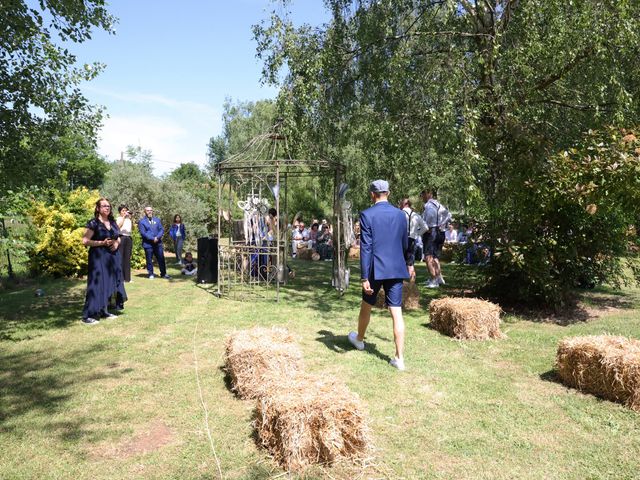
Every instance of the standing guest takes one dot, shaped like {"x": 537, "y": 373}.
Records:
{"x": 415, "y": 226}
{"x": 451, "y": 234}
{"x": 271, "y": 225}
{"x": 126, "y": 242}
{"x": 178, "y": 235}
{"x": 384, "y": 262}
{"x": 436, "y": 216}
{"x": 104, "y": 275}
{"x": 151, "y": 231}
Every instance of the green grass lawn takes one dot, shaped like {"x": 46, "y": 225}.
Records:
{"x": 120, "y": 399}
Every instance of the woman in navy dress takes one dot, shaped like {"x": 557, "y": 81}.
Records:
{"x": 104, "y": 278}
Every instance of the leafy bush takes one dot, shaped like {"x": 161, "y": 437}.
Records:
{"x": 59, "y": 227}
{"x": 16, "y": 232}
{"x": 571, "y": 223}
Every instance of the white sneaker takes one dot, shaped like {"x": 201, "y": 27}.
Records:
{"x": 432, "y": 284}
{"x": 440, "y": 280}
{"x": 353, "y": 339}
{"x": 397, "y": 363}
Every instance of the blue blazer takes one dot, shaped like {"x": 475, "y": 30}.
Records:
{"x": 149, "y": 231}
{"x": 174, "y": 229}
{"x": 384, "y": 244}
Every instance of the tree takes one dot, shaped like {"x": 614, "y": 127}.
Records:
{"x": 241, "y": 122}
{"x": 133, "y": 183}
{"x": 488, "y": 90}
{"x": 190, "y": 173}
{"x": 40, "y": 101}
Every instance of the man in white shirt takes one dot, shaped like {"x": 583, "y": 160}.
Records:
{"x": 436, "y": 217}
{"x": 415, "y": 227}
{"x": 300, "y": 237}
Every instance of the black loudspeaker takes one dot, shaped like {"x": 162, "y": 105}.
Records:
{"x": 207, "y": 260}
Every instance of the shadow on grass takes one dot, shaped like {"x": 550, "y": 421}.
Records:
{"x": 551, "y": 376}
{"x": 340, "y": 344}
{"x": 24, "y": 315}
{"x": 41, "y": 384}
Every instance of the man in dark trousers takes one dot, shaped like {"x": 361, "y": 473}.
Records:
{"x": 151, "y": 231}
{"x": 384, "y": 262}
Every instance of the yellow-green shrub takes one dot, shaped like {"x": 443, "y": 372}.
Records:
{"x": 59, "y": 225}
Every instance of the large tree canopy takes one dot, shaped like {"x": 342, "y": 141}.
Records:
{"x": 40, "y": 101}
{"x": 470, "y": 96}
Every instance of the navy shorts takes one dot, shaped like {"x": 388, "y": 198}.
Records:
{"x": 392, "y": 292}
{"x": 433, "y": 241}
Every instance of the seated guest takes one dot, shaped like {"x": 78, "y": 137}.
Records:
{"x": 464, "y": 233}
{"x": 356, "y": 233}
{"x": 300, "y": 236}
{"x": 313, "y": 235}
{"x": 451, "y": 234}
{"x": 188, "y": 265}
{"x": 325, "y": 243}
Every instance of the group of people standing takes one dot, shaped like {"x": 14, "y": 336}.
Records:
{"x": 110, "y": 245}
{"x": 427, "y": 233}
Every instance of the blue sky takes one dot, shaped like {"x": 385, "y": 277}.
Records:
{"x": 169, "y": 68}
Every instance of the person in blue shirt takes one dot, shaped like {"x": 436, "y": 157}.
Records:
{"x": 178, "y": 234}
{"x": 151, "y": 231}
{"x": 385, "y": 261}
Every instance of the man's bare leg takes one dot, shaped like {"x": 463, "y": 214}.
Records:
{"x": 430, "y": 266}
{"x": 435, "y": 269}
{"x": 398, "y": 330}
{"x": 363, "y": 319}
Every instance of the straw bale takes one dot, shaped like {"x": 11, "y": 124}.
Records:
{"x": 307, "y": 419}
{"x": 252, "y": 354}
{"x": 466, "y": 318}
{"x": 604, "y": 365}
{"x": 305, "y": 253}
{"x": 354, "y": 253}
{"x": 410, "y": 297}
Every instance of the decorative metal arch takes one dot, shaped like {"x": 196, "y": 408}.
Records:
{"x": 257, "y": 172}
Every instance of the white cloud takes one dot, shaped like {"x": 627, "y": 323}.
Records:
{"x": 184, "y": 106}
{"x": 176, "y": 131}
{"x": 171, "y": 143}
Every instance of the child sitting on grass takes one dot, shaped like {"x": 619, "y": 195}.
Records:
{"x": 188, "y": 265}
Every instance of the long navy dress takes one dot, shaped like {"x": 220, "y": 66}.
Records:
{"x": 104, "y": 278}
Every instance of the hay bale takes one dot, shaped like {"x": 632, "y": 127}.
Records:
{"x": 315, "y": 256}
{"x": 305, "y": 420}
{"x": 250, "y": 355}
{"x": 604, "y": 365}
{"x": 354, "y": 253}
{"x": 466, "y": 318}
{"x": 410, "y": 297}
{"x": 304, "y": 253}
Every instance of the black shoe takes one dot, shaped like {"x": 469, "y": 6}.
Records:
{"x": 109, "y": 315}
{"x": 90, "y": 321}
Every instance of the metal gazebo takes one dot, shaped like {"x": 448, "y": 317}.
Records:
{"x": 253, "y": 260}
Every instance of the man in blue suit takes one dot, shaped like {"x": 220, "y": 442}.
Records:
{"x": 151, "y": 231}
{"x": 385, "y": 261}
